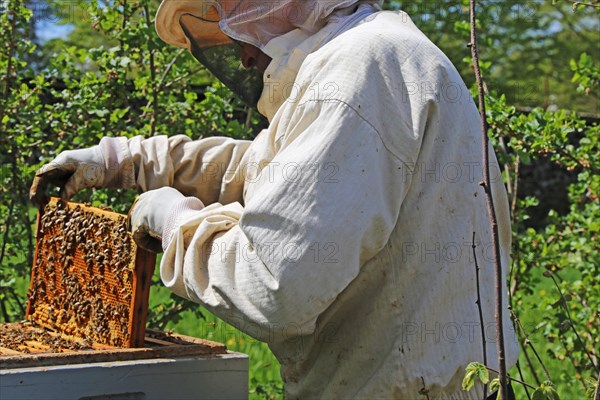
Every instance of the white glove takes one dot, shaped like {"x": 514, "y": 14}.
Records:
{"x": 154, "y": 214}
{"x": 109, "y": 164}
{"x": 72, "y": 170}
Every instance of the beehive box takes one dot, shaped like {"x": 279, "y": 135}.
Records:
{"x": 23, "y": 345}
{"x": 170, "y": 366}
{"x": 89, "y": 280}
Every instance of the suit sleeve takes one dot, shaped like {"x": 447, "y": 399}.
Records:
{"x": 210, "y": 169}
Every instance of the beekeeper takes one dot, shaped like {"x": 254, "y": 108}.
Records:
{"x": 342, "y": 235}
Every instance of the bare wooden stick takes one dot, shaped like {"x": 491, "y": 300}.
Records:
{"x": 523, "y": 380}
{"x": 485, "y": 386}
{"x": 528, "y": 343}
{"x": 491, "y": 209}
{"x": 530, "y": 365}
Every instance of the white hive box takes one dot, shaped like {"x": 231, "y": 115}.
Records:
{"x": 198, "y": 369}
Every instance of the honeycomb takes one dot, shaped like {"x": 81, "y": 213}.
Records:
{"x": 89, "y": 280}
{"x": 23, "y": 338}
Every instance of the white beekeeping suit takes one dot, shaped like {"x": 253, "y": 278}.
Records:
{"x": 342, "y": 235}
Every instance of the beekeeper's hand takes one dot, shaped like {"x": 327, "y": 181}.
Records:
{"x": 71, "y": 170}
{"x": 154, "y": 215}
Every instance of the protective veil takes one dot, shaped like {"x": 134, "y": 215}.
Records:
{"x": 206, "y": 29}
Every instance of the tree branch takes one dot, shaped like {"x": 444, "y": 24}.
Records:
{"x": 528, "y": 343}
{"x": 521, "y": 377}
{"x": 9, "y": 53}
{"x": 162, "y": 80}
{"x": 502, "y": 375}
{"x": 482, "y": 324}
{"x": 581, "y": 3}
{"x": 513, "y": 379}
{"x": 6, "y": 232}
{"x": 168, "y": 69}
{"x": 153, "y": 80}
{"x": 564, "y": 305}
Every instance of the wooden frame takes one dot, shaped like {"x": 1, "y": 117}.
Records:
{"x": 88, "y": 278}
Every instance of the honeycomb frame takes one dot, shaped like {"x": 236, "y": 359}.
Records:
{"x": 89, "y": 280}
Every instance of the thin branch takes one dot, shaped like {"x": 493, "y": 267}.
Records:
{"x": 564, "y": 305}
{"x": 154, "y": 117}
{"x": 509, "y": 185}
{"x": 515, "y": 190}
{"x": 28, "y": 231}
{"x": 168, "y": 69}
{"x": 531, "y": 368}
{"x": 123, "y": 25}
{"x": 478, "y": 302}
{"x": 582, "y": 164}
{"x": 170, "y": 83}
{"x": 4, "y": 311}
{"x": 17, "y": 300}
{"x": 581, "y": 3}
{"x": 513, "y": 379}
{"x": 186, "y": 75}
{"x": 162, "y": 80}
{"x": 514, "y": 284}
{"x": 521, "y": 376}
{"x": 514, "y": 281}
{"x": 569, "y": 355}
{"x": 587, "y": 331}
{"x": 502, "y": 375}
{"x": 528, "y": 343}
{"x": 249, "y": 113}
{"x": 162, "y": 320}
{"x": 6, "y": 232}
{"x": 9, "y": 53}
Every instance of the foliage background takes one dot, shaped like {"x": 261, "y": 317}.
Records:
{"x": 110, "y": 75}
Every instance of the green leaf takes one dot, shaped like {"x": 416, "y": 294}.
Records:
{"x": 475, "y": 370}
{"x": 494, "y": 384}
{"x": 546, "y": 391}
{"x": 100, "y": 113}
{"x": 590, "y": 387}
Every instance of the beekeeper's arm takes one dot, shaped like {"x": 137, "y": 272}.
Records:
{"x": 209, "y": 169}
{"x": 325, "y": 205}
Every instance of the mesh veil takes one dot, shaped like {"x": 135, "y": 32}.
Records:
{"x": 224, "y": 62}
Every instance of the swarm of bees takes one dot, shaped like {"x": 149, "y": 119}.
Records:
{"x": 83, "y": 274}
